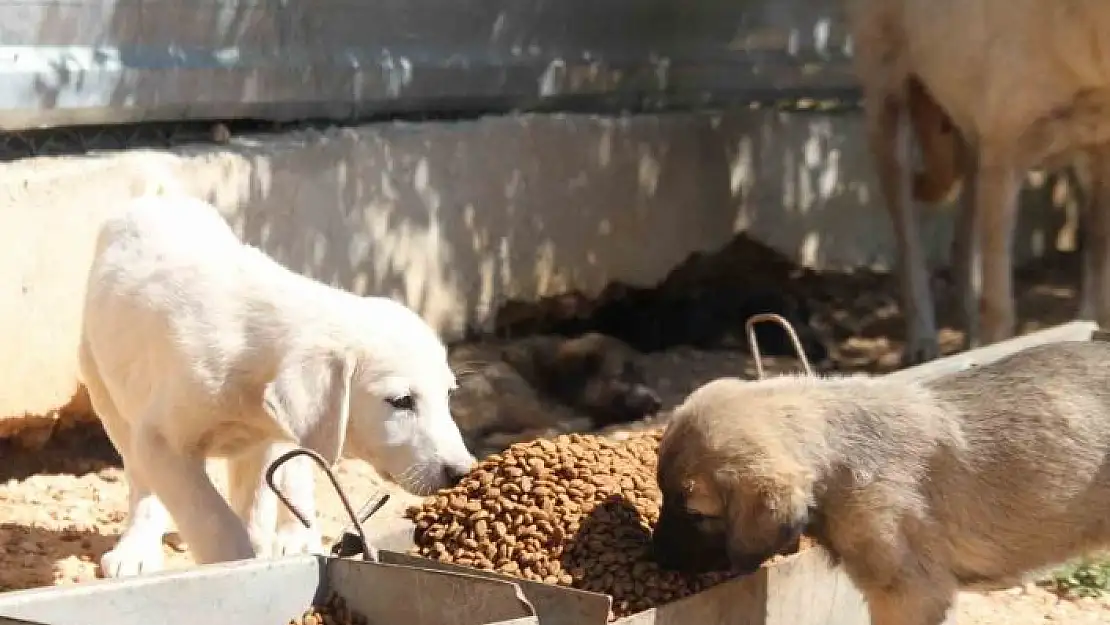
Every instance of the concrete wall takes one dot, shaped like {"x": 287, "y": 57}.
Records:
{"x": 67, "y": 62}
{"x": 453, "y": 218}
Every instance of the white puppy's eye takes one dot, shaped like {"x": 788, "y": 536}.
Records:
{"x": 402, "y": 402}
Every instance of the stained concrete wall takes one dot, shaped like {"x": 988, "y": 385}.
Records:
{"x": 452, "y": 218}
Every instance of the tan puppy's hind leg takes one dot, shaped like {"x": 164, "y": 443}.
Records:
{"x": 911, "y": 606}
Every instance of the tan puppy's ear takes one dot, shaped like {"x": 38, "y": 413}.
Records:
{"x": 765, "y": 515}
{"x": 312, "y": 398}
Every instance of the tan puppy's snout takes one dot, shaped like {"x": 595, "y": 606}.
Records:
{"x": 688, "y": 543}
{"x": 790, "y": 535}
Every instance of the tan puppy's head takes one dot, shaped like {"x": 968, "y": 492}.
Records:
{"x": 733, "y": 496}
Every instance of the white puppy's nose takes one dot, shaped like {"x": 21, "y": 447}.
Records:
{"x": 452, "y": 474}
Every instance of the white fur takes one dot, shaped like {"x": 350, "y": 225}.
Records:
{"x": 196, "y": 346}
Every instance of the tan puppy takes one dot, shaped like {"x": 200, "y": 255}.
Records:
{"x": 918, "y": 489}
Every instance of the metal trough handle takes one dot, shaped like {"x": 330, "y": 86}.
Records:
{"x": 357, "y": 520}
{"x": 753, "y": 344}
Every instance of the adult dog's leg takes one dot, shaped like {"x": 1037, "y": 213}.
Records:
{"x": 997, "y": 197}
{"x": 1096, "y": 244}
{"x": 1082, "y": 178}
{"x": 139, "y": 548}
{"x": 206, "y": 521}
{"x": 889, "y": 141}
{"x": 273, "y": 529}
{"x": 966, "y": 259}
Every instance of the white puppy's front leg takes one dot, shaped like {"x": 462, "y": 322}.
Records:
{"x": 297, "y": 482}
{"x": 273, "y": 529}
{"x": 139, "y": 548}
{"x": 206, "y": 522}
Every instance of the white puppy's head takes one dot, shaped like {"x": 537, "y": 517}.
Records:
{"x": 400, "y": 404}
{"x": 401, "y": 419}
{"x": 380, "y": 392}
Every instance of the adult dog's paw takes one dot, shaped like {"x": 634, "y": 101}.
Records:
{"x": 130, "y": 558}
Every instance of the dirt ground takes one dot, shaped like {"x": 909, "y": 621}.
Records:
{"x": 62, "y": 507}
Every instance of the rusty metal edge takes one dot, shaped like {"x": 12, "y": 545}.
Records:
{"x": 486, "y": 591}
{"x": 1071, "y": 331}
{"x": 585, "y": 607}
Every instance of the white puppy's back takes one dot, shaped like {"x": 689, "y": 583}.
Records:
{"x": 178, "y": 309}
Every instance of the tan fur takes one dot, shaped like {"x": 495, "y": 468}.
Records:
{"x": 918, "y": 489}
{"x": 1026, "y": 83}
{"x": 941, "y": 155}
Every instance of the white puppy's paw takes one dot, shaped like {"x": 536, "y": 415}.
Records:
{"x": 130, "y": 559}
{"x": 295, "y": 539}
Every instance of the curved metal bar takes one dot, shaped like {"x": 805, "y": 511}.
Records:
{"x": 753, "y": 344}
{"x": 357, "y": 520}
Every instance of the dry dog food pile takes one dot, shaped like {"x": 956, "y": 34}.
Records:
{"x": 575, "y": 511}
{"x": 333, "y": 612}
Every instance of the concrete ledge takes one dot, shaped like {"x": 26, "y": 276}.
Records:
{"x": 453, "y": 218}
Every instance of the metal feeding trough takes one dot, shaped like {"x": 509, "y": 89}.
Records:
{"x": 275, "y": 591}
{"x": 271, "y": 592}
{"x": 389, "y": 587}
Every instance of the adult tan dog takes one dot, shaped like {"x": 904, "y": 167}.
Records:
{"x": 969, "y": 481}
{"x": 197, "y": 346}
{"x": 1021, "y": 91}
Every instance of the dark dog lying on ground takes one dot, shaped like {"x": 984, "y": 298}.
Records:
{"x": 919, "y": 489}
{"x": 706, "y": 318}
{"x": 703, "y": 303}
{"x": 546, "y": 381}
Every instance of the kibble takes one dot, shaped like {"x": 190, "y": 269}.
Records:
{"x": 334, "y": 611}
{"x": 575, "y": 511}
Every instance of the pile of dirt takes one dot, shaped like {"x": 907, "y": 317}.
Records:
{"x": 702, "y": 303}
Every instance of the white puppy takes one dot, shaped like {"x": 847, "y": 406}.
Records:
{"x": 197, "y": 346}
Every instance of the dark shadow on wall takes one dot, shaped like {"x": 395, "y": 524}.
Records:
{"x": 472, "y": 213}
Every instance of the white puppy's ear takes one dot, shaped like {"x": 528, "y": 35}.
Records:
{"x": 312, "y": 397}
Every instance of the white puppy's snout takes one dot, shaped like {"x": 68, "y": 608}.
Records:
{"x": 453, "y": 473}
{"x": 455, "y": 464}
